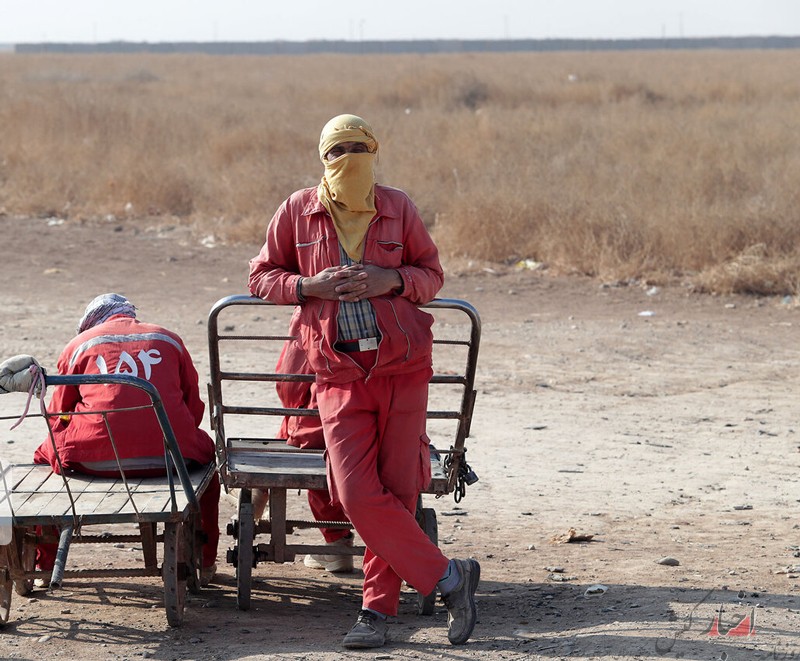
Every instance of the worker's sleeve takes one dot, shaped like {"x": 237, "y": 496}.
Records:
{"x": 421, "y": 270}
{"x": 275, "y": 272}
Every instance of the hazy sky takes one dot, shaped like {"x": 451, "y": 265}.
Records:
{"x": 24, "y": 21}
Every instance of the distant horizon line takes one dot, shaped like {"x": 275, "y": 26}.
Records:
{"x": 401, "y": 40}
{"x": 398, "y": 46}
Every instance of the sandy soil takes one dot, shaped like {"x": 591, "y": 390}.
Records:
{"x": 659, "y": 422}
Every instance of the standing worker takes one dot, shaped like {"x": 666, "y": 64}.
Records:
{"x": 356, "y": 259}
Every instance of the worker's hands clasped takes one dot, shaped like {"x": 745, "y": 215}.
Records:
{"x": 351, "y": 283}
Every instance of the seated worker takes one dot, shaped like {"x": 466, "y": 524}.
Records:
{"x": 111, "y": 340}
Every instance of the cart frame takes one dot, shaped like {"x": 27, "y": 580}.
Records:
{"x": 271, "y": 464}
{"x": 37, "y": 496}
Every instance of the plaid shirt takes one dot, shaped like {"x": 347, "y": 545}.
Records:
{"x": 356, "y": 320}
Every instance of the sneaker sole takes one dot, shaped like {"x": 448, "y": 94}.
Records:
{"x": 363, "y": 644}
{"x": 344, "y": 566}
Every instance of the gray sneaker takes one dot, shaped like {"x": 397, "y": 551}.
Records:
{"x": 460, "y": 602}
{"x": 368, "y": 631}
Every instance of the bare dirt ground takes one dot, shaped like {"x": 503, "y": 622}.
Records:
{"x": 659, "y": 422}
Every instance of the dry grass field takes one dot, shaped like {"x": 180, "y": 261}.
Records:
{"x": 673, "y": 166}
{"x": 661, "y": 423}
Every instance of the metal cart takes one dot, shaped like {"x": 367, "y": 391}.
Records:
{"x": 165, "y": 509}
{"x": 245, "y": 336}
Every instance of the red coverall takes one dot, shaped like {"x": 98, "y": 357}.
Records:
{"x": 372, "y": 404}
{"x": 306, "y": 432}
{"x": 123, "y": 345}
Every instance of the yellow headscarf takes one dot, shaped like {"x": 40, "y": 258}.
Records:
{"x": 347, "y": 189}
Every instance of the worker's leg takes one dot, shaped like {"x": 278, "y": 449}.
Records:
{"x": 209, "y": 521}
{"x": 306, "y": 432}
{"x": 46, "y": 551}
{"x": 319, "y": 500}
{"x": 375, "y": 437}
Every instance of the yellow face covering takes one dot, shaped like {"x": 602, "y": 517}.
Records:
{"x": 347, "y": 189}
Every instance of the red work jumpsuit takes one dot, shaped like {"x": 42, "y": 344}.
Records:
{"x": 306, "y": 432}
{"x": 372, "y": 404}
{"x": 123, "y": 345}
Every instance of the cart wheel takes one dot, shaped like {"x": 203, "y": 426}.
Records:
{"x": 26, "y": 550}
{"x": 174, "y": 573}
{"x": 194, "y": 550}
{"x": 426, "y": 517}
{"x": 244, "y": 557}
{"x": 5, "y": 585}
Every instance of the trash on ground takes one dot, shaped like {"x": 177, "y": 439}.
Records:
{"x": 571, "y": 536}
{"x": 561, "y": 578}
{"x": 530, "y": 265}
{"x": 595, "y": 590}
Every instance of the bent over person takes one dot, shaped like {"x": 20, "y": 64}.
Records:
{"x": 356, "y": 259}
{"x": 306, "y": 432}
{"x": 111, "y": 340}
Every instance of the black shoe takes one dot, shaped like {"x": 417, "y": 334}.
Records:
{"x": 368, "y": 631}
{"x": 460, "y": 602}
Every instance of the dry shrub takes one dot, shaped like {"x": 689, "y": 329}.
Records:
{"x": 753, "y": 271}
{"x": 665, "y": 165}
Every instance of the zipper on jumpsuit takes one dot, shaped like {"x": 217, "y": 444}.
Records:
{"x": 322, "y": 339}
{"x": 405, "y": 334}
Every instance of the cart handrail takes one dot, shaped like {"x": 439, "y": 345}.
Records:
{"x": 218, "y": 409}
{"x": 217, "y": 375}
{"x": 244, "y": 299}
{"x": 171, "y": 443}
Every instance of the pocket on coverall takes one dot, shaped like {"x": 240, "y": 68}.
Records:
{"x": 424, "y": 463}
